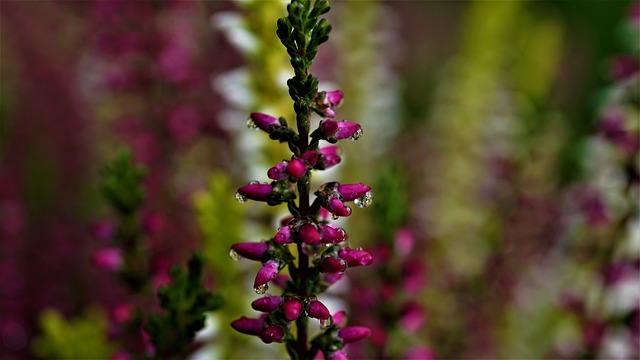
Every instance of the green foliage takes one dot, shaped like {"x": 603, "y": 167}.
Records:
{"x": 185, "y": 301}
{"x": 220, "y": 218}
{"x": 392, "y": 202}
{"x": 83, "y": 337}
{"x": 121, "y": 183}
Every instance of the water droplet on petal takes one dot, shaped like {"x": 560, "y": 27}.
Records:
{"x": 251, "y": 124}
{"x": 357, "y": 135}
{"x": 335, "y": 217}
{"x": 261, "y": 289}
{"x": 254, "y": 182}
{"x": 344, "y": 234}
{"x": 234, "y": 255}
{"x": 326, "y": 323}
{"x": 240, "y": 198}
{"x": 365, "y": 200}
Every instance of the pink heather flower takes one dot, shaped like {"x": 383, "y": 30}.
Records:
{"x": 332, "y": 278}
{"x": 327, "y": 100}
{"x": 340, "y": 318}
{"x": 272, "y": 333}
{"x": 278, "y": 172}
{"x": 250, "y": 250}
{"x": 309, "y": 234}
{"x": 338, "y": 208}
{"x": 257, "y": 192}
{"x": 595, "y": 210}
{"x": 267, "y": 303}
{"x": 249, "y": 326}
{"x": 283, "y": 236}
{"x": 333, "y": 265}
{"x": 121, "y": 355}
{"x": 404, "y": 241}
{"x": 332, "y": 235}
{"x": 350, "y": 192}
{"x": 355, "y": 257}
{"x": 329, "y": 157}
{"x": 311, "y": 157}
{"x": 265, "y": 122}
{"x": 339, "y": 130}
{"x": 419, "y": 353}
{"x": 103, "y": 230}
{"x": 121, "y": 313}
{"x": 183, "y": 123}
{"x": 107, "y": 259}
{"x": 174, "y": 64}
{"x": 414, "y": 276}
{"x": 411, "y": 317}
{"x": 317, "y": 310}
{"x": 334, "y": 97}
{"x": 624, "y": 67}
{"x": 267, "y": 273}
{"x": 297, "y": 168}
{"x": 337, "y": 355}
{"x": 351, "y": 334}
{"x": 292, "y": 309}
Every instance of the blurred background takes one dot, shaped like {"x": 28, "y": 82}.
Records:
{"x": 500, "y": 139}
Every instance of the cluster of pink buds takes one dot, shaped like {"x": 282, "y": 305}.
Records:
{"x": 324, "y": 254}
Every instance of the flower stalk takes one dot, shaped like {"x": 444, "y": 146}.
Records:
{"x": 321, "y": 251}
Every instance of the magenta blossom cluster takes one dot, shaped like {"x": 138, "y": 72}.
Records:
{"x": 322, "y": 254}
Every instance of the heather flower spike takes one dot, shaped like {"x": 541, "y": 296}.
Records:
{"x": 321, "y": 257}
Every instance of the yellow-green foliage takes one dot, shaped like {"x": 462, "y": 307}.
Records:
{"x": 83, "y": 337}
{"x": 468, "y": 100}
{"x": 221, "y": 220}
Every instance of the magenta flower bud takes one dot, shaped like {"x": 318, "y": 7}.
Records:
{"x": 257, "y": 192}
{"x": 249, "y": 326}
{"x": 355, "y": 257}
{"x": 309, "y": 234}
{"x": 332, "y": 278}
{"x": 328, "y": 112}
{"x": 329, "y": 156}
{"x": 264, "y": 122}
{"x": 310, "y": 156}
{"x": 283, "y": 236}
{"x": 107, "y": 259}
{"x": 338, "y": 208}
{"x": 272, "y": 333}
{"x": 317, "y": 310}
{"x": 292, "y": 309}
{"x": 340, "y": 318}
{"x": 267, "y": 273}
{"x": 297, "y": 168}
{"x": 333, "y": 265}
{"x": 337, "y": 355}
{"x": 278, "y": 172}
{"x": 350, "y": 192}
{"x": 267, "y": 303}
{"x": 250, "y": 250}
{"x": 351, "y": 334}
{"x": 334, "y": 97}
{"x": 340, "y": 130}
{"x": 332, "y": 235}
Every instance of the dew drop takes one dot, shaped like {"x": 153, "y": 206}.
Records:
{"x": 365, "y": 200}
{"x": 335, "y": 217}
{"x": 251, "y": 124}
{"x": 254, "y": 182}
{"x": 261, "y": 289}
{"x": 234, "y": 255}
{"x": 326, "y": 323}
{"x": 240, "y": 198}
{"x": 357, "y": 135}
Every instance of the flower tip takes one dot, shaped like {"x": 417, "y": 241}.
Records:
{"x": 318, "y": 311}
{"x": 351, "y": 334}
{"x": 256, "y": 192}
{"x": 248, "y": 326}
